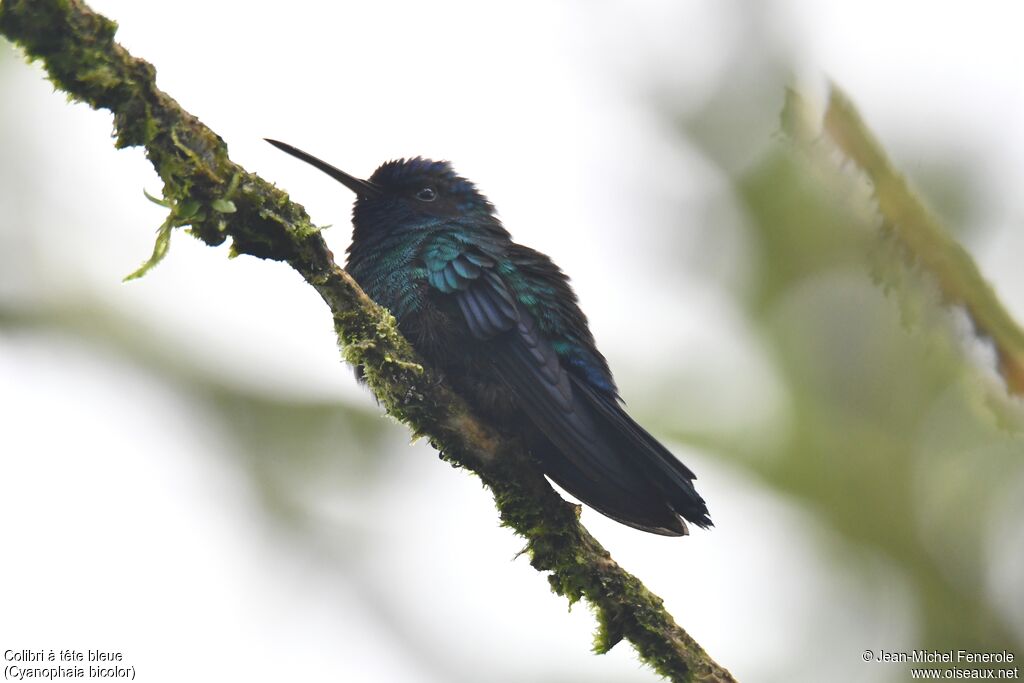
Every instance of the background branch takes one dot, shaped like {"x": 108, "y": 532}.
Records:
{"x": 217, "y": 199}
{"x": 924, "y": 244}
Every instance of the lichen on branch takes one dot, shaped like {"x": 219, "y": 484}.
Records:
{"x": 217, "y": 199}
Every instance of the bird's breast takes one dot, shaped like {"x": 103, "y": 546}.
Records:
{"x": 391, "y": 274}
{"x": 439, "y": 333}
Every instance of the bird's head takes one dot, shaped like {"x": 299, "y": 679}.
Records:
{"x": 406, "y": 193}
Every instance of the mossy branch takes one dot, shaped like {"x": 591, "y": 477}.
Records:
{"x": 925, "y": 245}
{"x": 218, "y": 200}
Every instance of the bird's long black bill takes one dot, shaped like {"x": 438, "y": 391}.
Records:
{"x": 363, "y": 188}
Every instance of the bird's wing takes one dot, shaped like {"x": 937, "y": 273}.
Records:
{"x": 469, "y": 274}
{"x": 593, "y": 385}
{"x": 595, "y": 468}
{"x": 524, "y": 358}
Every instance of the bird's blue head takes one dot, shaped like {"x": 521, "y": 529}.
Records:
{"x": 408, "y": 194}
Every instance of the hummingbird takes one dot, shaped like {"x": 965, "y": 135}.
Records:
{"x": 502, "y": 324}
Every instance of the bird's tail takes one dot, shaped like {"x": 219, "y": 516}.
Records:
{"x": 626, "y": 474}
{"x": 664, "y": 470}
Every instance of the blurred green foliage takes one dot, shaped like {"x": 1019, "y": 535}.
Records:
{"x": 899, "y": 437}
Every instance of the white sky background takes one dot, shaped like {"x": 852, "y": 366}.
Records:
{"x": 125, "y": 530}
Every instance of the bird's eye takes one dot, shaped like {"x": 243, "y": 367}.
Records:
{"x": 427, "y": 194}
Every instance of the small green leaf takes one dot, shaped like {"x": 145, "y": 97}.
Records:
{"x": 186, "y": 209}
{"x": 163, "y": 242}
{"x": 223, "y": 205}
{"x": 161, "y": 202}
